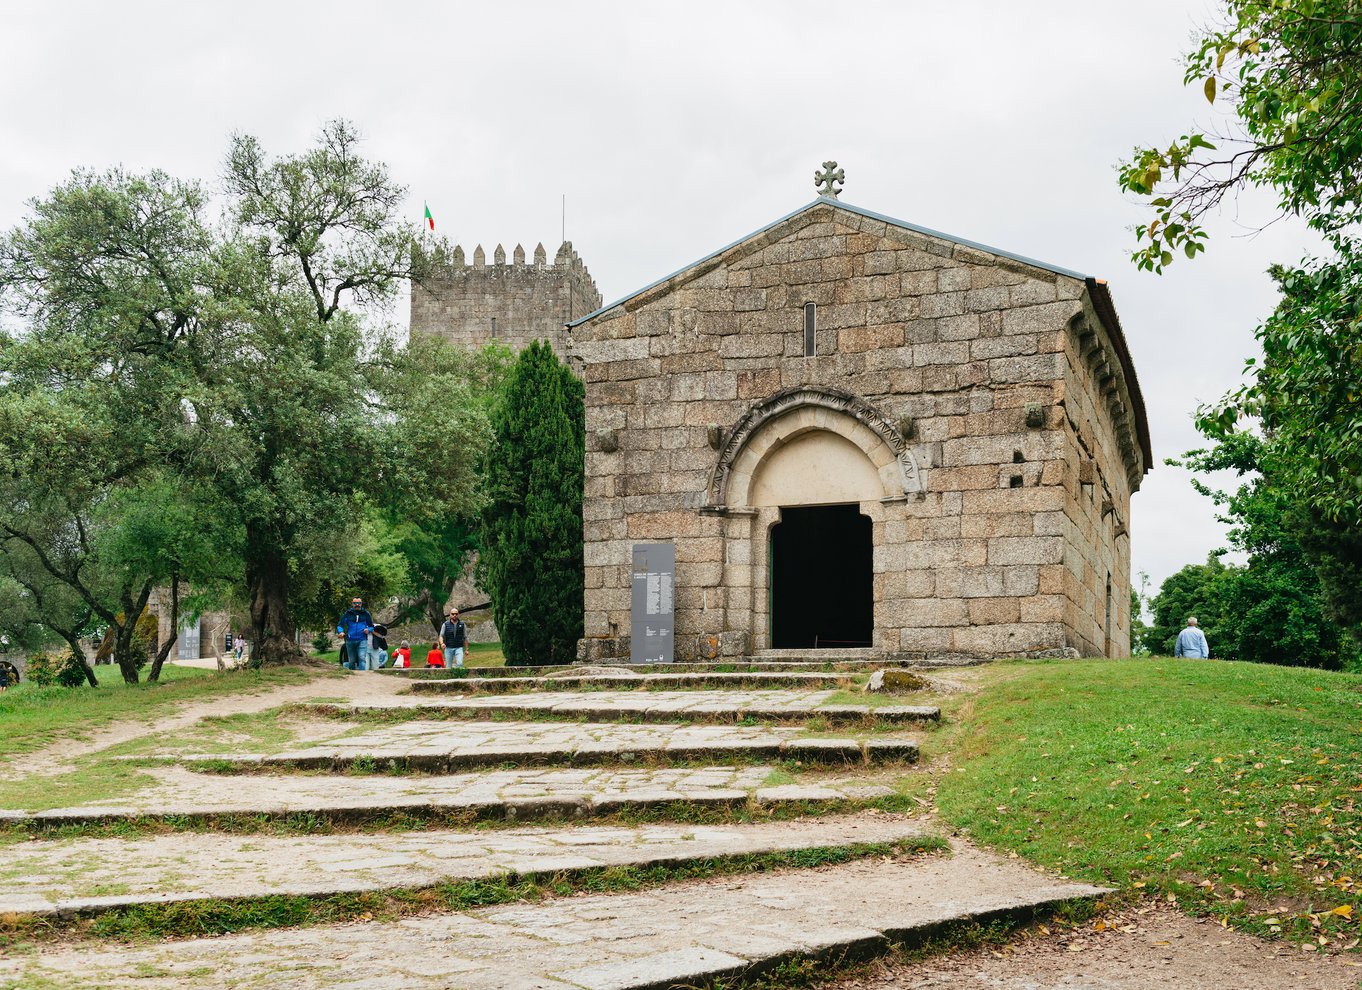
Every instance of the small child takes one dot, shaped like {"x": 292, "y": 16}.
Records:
{"x": 402, "y": 655}
{"x": 436, "y": 656}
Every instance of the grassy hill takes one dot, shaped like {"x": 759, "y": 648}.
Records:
{"x": 1229, "y": 788}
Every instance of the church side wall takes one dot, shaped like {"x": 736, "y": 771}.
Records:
{"x": 939, "y": 338}
{"x": 1097, "y": 504}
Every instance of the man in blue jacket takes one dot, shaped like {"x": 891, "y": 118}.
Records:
{"x": 355, "y": 625}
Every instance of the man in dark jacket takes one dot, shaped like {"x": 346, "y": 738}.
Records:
{"x": 355, "y": 625}
{"x": 378, "y": 647}
{"x": 454, "y": 636}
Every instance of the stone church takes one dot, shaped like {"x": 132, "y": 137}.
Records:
{"x": 859, "y": 434}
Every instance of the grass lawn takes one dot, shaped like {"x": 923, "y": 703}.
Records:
{"x": 32, "y": 717}
{"x": 1230, "y": 788}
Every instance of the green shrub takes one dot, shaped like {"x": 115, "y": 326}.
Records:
{"x": 42, "y": 669}
{"x": 47, "y": 670}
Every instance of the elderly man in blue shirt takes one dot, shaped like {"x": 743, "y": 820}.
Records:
{"x": 1192, "y": 642}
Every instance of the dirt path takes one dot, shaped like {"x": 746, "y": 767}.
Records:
{"x": 1153, "y": 946}
{"x": 58, "y": 757}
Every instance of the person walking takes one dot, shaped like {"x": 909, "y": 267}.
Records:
{"x": 378, "y": 647}
{"x": 1192, "y": 642}
{"x": 355, "y": 625}
{"x": 454, "y": 635}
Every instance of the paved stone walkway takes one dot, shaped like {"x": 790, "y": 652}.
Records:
{"x": 669, "y": 706}
{"x": 676, "y": 935}
{"x": 753, "y": 680}
{"x": 87, "y": 876}
{"x": 446, "y": 746}
{"x": 182, "y": 793}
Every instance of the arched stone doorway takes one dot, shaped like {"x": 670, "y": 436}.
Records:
{"x": 805, "y": 480}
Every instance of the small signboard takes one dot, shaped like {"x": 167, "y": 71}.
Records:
{"x": 652, "y": 626}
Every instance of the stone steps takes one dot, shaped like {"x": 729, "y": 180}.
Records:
{"x": 774, "y": 706}
{"x": 681, "y": 935}
{"x": 58, "y": 879}
{"x": 186, "y": 799}
{"x": 628, "y": 680}
{"x": 400, "y": 759}
{"x": 735, "y": 666}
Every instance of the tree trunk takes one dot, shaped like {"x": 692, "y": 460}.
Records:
{"x": 215, "y": 632}
{"x": 122, "y": 650}
{"x": 272, "y": 629}
{"x": 127, "y": 632}
{"x": 155, "y": 673}
{"x": 435, "y": 611}
{"x": 78, "y": 651}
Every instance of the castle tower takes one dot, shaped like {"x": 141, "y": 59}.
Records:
{"x": 514, "y": 303}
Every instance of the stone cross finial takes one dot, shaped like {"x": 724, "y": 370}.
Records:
{"x": 827, "y": 181}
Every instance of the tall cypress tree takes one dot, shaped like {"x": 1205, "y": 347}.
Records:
{"x": 531, "y": 556}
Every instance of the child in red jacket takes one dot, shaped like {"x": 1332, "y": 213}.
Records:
{"x": 436, "y": 656}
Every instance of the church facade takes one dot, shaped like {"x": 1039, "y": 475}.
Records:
{"x": 860, "y": 434}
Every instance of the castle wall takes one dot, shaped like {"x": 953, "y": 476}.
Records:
{"x": 528, "y": 299}
{"x": 961, "y": 357}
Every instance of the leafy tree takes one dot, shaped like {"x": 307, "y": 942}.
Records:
{"x": 439, "y": 546}
{"x": 531, "y": 556}
{"x": 373, "y": 568}
{"x": 1289, "y": 73}
{"x": 184, "y": 396}
{"x": 105, "y": 279}
{"x": 1140, "y": 598}
{"x": 1274, "y": 609}
{"x": 1199, "y": 590}
{"x": 35, "y": 608}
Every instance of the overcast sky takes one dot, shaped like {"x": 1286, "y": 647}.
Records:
{"x": 675, "y": 128}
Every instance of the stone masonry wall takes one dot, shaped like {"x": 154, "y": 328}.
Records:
{"x": 529, "y": 300}
{"x": 968, "y": 352}
{"x": 1098, "y": 485}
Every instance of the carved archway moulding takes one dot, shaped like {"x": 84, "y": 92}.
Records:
{"x": 908, "y": 479}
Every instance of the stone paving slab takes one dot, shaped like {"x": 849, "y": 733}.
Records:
{"x": 449, "y": 746}
{"x": 628, "y": 680}
{"x": 66, "y": 877}
{"x": 181, "y": 794}
{"x": 679, "y": 935}
{"x": 646, "y": 706}
{"x": 845, "y": 667}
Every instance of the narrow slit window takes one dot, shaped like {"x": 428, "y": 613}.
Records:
{"x": 494, "y": 326}
{"x": 810, "y": 329}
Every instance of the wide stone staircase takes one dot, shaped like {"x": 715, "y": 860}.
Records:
{"x": 592, "y": 828}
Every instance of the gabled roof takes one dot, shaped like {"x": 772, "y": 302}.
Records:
{"x": 1097, "y": 290}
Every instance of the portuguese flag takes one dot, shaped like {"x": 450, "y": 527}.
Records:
{"x": 430, "y": 220}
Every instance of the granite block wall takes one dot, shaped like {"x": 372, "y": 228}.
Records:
{"x": 966, "y": 379}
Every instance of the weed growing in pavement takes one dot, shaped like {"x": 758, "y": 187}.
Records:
{"x": 490, "y": 817}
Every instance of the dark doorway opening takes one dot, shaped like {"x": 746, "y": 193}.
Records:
{"x": 822, "y": 593}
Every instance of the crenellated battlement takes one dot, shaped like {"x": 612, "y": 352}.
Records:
{"x": 472, "y": 301}
{"x": 565, "y": 260}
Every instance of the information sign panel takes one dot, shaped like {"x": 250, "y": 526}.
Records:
{"x": 652, "y": 626}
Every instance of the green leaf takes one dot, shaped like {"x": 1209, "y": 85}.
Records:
{"x": 1210, "y": 89}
